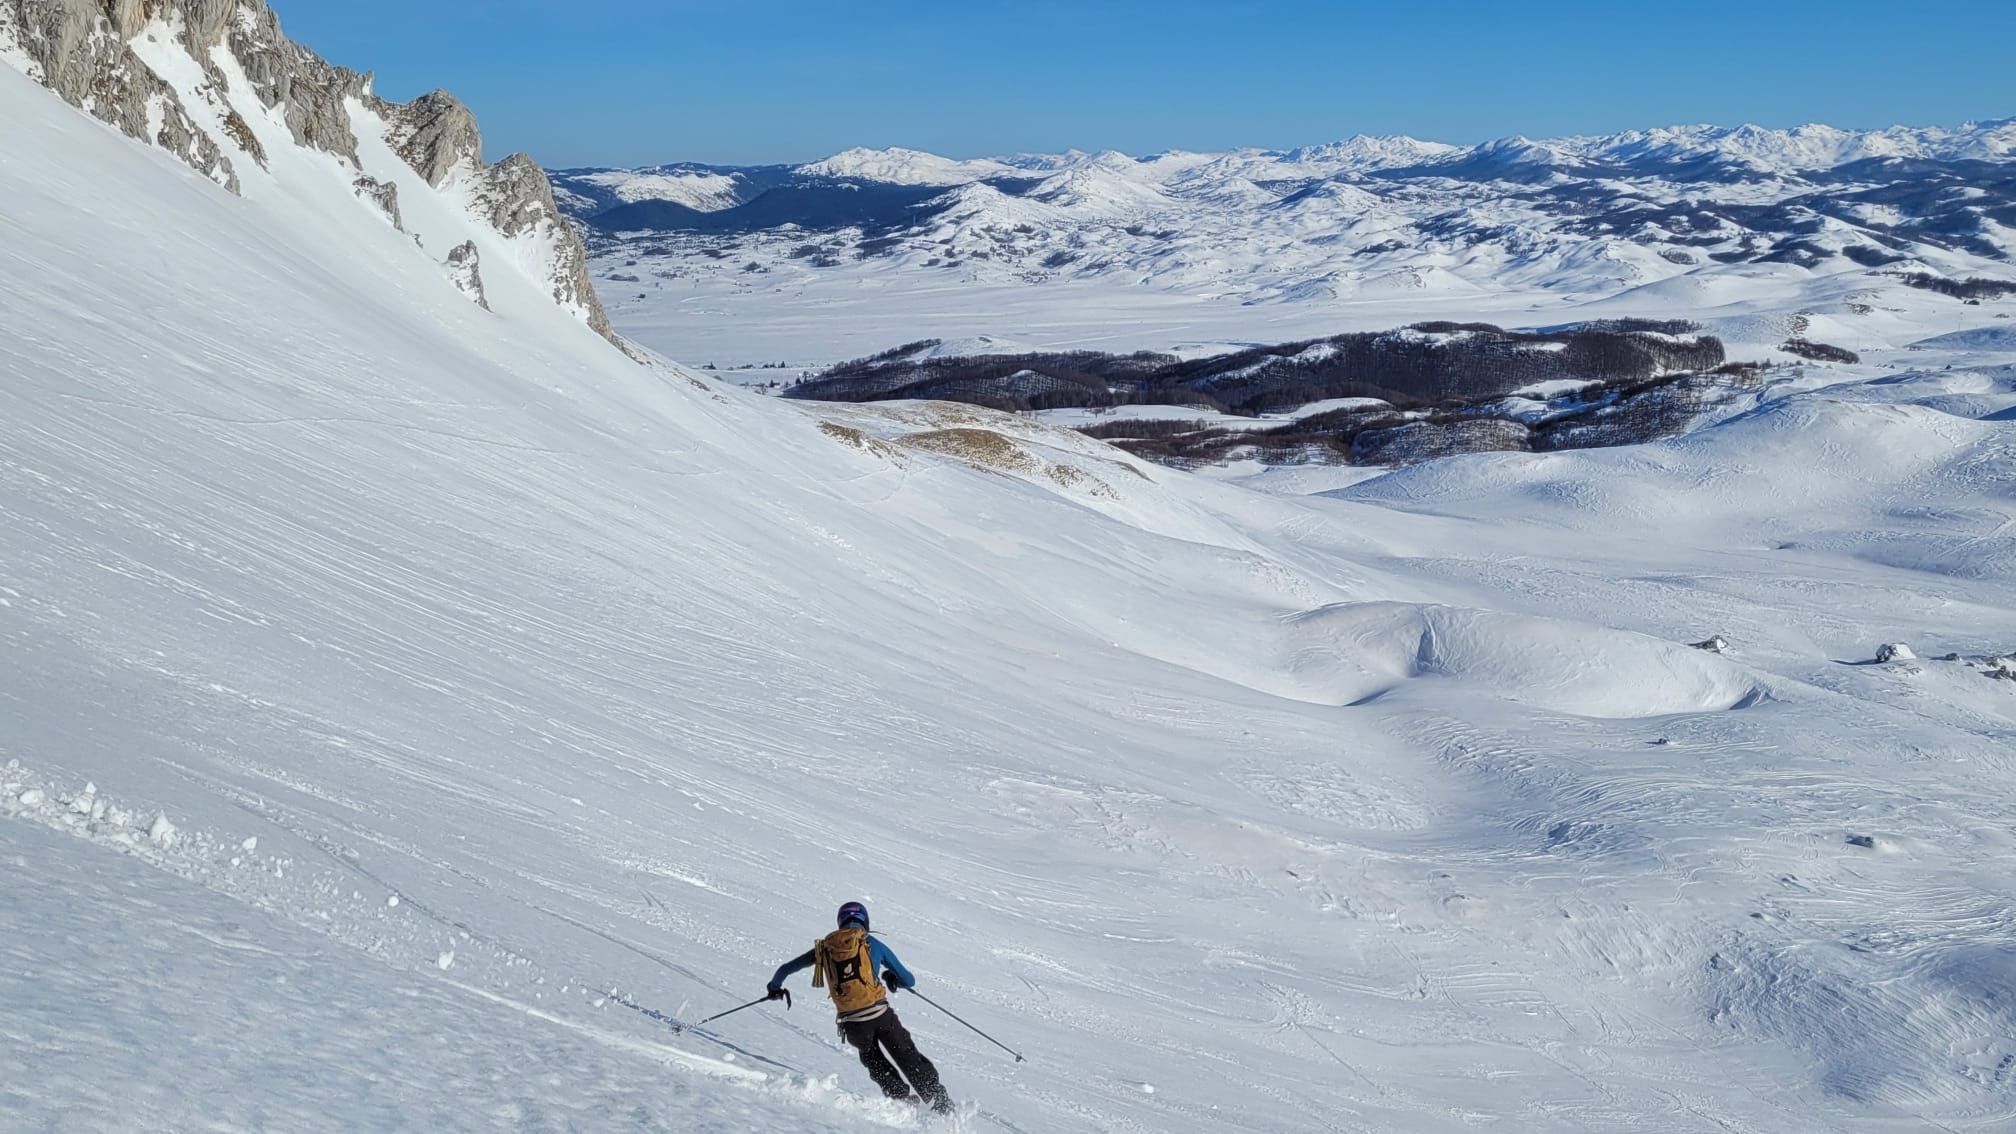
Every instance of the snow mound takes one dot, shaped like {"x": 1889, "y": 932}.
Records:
{"x": 1361, "y": 652}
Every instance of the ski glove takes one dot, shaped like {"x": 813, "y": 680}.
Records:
{"x": 777, "y": 992}
{"x": 891, "y": 981}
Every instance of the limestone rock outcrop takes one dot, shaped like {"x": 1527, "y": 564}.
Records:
{"x": 84, "y": 51}
{"x": 81, "y": 50}
{"x": 465, "y": 268}
{"x": 437, "y": 135}
{"x": 434, "y": 133}
{"x": 383, "y": 194}
{"x": 519, "y": 199}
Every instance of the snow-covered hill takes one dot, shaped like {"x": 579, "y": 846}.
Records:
{"x": 387, "y": 679}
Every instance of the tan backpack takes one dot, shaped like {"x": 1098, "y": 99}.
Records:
{"x": 842, "y": 967}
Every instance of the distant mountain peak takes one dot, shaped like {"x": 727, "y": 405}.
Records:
{"x": 898, "y": 166}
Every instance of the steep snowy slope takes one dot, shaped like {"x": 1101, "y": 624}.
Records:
{"x": 217, "y": 84}
{"x": 387, "y": 679}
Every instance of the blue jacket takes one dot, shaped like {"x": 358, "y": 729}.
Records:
{"x": 879, "y": 955}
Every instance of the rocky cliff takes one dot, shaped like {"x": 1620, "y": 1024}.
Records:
{"x": 191, "y": 76}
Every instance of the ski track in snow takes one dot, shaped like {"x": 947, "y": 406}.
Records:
{"x": 532, "y": 674}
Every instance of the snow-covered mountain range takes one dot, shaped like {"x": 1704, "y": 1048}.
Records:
{"x": 1322, "y": 230}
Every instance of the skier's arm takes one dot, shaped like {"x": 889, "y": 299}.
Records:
{"x": 794, "y": 965}
{"x": 884, "y": 960}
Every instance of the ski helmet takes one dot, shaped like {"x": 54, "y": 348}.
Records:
{"x": 852, "y": 912}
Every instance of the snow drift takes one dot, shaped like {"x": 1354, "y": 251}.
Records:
{"x": 1359, "y": 652}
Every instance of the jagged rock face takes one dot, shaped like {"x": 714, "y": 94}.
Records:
{"x": 434, "y": 133}
{"x": 520, "y": 197}
{"x": 383, "y": 194}
{"x": 464, "y": 267}
{"x": 240, "y": 132}
{"x": 81, "y": 49}
{"x": 284, "y": 74}
{"x": 78, "y": 49}
{"x": 520, "y": 200}
{"x": 128, "y": 16}
{"x": 437, "y": 135}
{"x": 204, "y": 20}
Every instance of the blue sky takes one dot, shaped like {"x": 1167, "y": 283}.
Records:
{"x": 632, "y": 82}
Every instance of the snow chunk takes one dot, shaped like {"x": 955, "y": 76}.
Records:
{"x": 162, "y": 831}
{"x": 1894, "y": 652}
{"x": 446, "y": 960}
{"x": 33, "y": 797}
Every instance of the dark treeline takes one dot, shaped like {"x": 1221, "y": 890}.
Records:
{"x": 1819, "y": 352}
{"x": 1975, "y": 288}
{"x": 1624, "y": 413}
{"x": 1421, "y": 366}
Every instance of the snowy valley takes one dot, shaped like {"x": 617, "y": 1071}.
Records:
{"x": 406, "y": 666}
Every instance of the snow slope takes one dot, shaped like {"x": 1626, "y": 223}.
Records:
{"x": 388, "y": 679}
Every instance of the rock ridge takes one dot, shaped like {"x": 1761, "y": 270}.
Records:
{"x": 83, "y": 51}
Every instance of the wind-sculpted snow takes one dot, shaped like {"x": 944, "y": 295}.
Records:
{"x": 389, "y": 681}
{"x": 1356, "y": 653}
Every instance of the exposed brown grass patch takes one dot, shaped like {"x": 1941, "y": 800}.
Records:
{"x": 992, "y": 451}
{"x": 848, "y": 435}
{"x": 982, "y": 447}
{"x": 1071, "y": 476}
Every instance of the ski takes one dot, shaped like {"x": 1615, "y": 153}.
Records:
{"x": 618, "y": 998}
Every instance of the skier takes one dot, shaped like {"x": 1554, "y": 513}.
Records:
{"x": 846, "y": 963}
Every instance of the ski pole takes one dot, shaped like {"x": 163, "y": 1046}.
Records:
{"x": 731, "y": 1011}
{"x": 976, "y": 1031}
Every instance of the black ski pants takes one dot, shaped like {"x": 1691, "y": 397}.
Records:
{"x": 891, "y": 1056}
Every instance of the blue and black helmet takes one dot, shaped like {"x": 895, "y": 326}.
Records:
{"x": 853, "y": 912}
